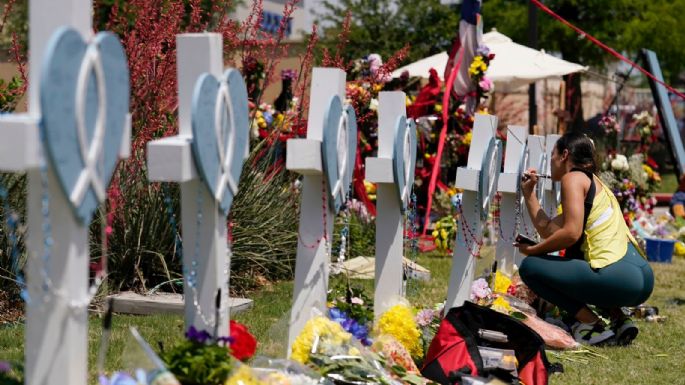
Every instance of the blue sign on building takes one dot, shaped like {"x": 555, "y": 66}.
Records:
{"x": 271, "y": 21}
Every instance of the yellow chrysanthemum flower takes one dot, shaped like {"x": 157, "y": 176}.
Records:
{"x": 502, "y": 282}
{"x": 243, "y": 376}
{"x": 679, "y": 248}
{"x": 501, "y": 305}
{"x": 468, "y": 137}
{"x": 399, "y": 322}
{"x": 320, "y": 327}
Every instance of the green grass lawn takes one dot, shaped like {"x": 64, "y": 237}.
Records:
{"x": 656, "y": 357}
{"x": 669, "y": 183}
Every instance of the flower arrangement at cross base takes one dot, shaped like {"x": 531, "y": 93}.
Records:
{"x": 398, "y": 322}
{"x": 204, "y": 360}
{"x": 632, "y": 180}
{"x": 509, "y": 295}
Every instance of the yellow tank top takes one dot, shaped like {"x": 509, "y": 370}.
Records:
{"x": 606, "y": 232}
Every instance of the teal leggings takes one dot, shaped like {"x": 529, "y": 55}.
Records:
{"x": 572, "y": 284}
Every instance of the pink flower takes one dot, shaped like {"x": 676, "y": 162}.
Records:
{"x": 485, "y": 84}
{"x": 357, "y": 301}
{"x": 424, "y": 317}
{"x": 480, "y": 289}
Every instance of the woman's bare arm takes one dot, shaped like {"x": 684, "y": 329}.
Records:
{"x": 564, "y": 230}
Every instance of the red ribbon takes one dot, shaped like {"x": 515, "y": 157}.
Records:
{"x": 605, "y": 47}
{"x": 441, "y": 142}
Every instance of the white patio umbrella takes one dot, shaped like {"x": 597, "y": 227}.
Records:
{"x": 514, "y": 65}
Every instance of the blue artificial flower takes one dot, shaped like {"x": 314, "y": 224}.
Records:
{"x": 118, "y": 378}
{"x": 268, "y": 117}
{"x": 350, "y": 325}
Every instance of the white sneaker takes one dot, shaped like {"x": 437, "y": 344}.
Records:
{"x": 625, "y": 331}
{"x": 591, "y": 334}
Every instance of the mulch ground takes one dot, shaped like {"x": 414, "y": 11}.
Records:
{"x": 11, "y": 308}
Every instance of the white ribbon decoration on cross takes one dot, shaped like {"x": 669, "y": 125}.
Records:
{"x": 225, "y": 177}
{"x": 90, "y": 152}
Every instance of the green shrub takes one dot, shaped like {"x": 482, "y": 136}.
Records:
{"x": 265, "y": 221}
{"x": 14, "y": 202}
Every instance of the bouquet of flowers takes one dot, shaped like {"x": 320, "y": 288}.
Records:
{"x": 325, "y": 346}
{"x": 399, "y": 323}
{"x": 284, "y": 372}
{"x": 645, "y": 124}
{"x": 243, "y": 375}
{"x": 477, "y": 70}
{"x": 428, "y": 321}
{"x": 444, "y": 233}
{"x": 631, "y": 180}
{"x": 200, "y": 359}
{"x": 350, "y": 307}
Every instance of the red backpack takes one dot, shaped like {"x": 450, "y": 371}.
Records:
{"x": 454, "y": 352}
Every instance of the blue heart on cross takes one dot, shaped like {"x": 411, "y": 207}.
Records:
{"x": 221, "y": 127}
{"x": 84, "y": 98}
{"x": 489, "y": 175}
{"x": 339, "y": 150}
{"x": 404, "y": 158}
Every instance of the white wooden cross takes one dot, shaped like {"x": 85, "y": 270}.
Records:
{"x": 206, "y": 257}
{"x": 479, "y": 186}
{"x": 389, "y": 204}
{"x": 537, "y": 160}
{"x": 511, "y": 205}
{"x": 305, "y": 156}
{"x": 56, "y": 348}
{"x": 551, "y": 190}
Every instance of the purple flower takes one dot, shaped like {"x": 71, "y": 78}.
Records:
{"x": 199, "y": 336}
{"x": 288, "y": 74}
{"x": 483, "y": 50}
{"x": 425, "y": 317}
{"x": 5, "y": 367}
{"x": 227, "y": 341}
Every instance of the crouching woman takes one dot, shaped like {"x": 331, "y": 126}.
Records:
{"x": 602, "y": 265}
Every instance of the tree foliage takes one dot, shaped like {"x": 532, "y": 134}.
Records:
{"x": 386, "y": 26}
{"x": 625, "y": 25}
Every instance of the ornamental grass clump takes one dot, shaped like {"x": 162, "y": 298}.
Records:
{"x": 12, "y": 235}
{"x": 263, "y": 222}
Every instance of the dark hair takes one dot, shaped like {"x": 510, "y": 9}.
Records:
{"x": 581, "y": 150}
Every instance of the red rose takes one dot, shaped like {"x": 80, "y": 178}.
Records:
{"x": 243, "y": 343}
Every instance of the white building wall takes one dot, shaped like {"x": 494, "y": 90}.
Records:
{"x": 302, "y": 19}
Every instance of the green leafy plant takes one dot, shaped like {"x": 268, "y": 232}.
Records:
{"x": 352, "y": 300}
{"x": 11, "y": 374}
{"x": 195, "y": 363}
{"x": 10, "y": 93}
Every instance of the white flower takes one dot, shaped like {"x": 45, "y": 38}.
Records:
{"x": 373, "y": 106}
{"x": 620, "y": 163}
